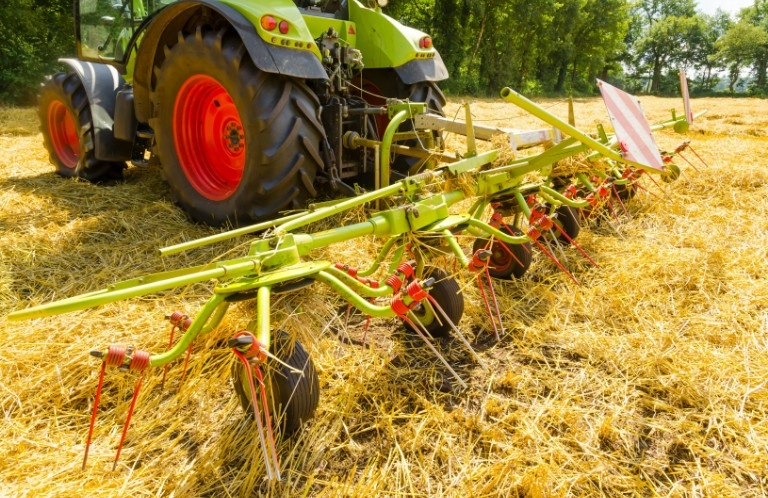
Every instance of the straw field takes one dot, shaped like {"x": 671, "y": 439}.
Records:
{"x": 650, "y": 378}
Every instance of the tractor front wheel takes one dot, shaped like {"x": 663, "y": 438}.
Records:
{"x": 67, "y": 128}
{"x": 237, "y": 145}
{"x": 292, "y": 387}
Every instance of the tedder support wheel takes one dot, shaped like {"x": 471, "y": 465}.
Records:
{"x": 237, "y": 145}
{"x": 67, "y": 127}
{"x": 447, "y": 293}
{"x": 379, "y": 84}
{"x": 568, "y": 220}
{"x": 293, "y": 397}
{"x": 507, "y": 260}
{"x": 626, "y": 191}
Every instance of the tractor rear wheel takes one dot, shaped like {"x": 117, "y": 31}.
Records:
{"x": 380, "y": 84}
{"x": 67, "y": 128}
{"x": 292, "y": 396}
{"x": 237, "y": 145}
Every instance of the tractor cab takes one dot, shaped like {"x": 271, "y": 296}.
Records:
{"x": 105, "y": 27}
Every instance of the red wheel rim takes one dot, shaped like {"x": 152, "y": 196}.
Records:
{"x": 502, "y": 258}
{"x": 61, "y": 127}
{"x": 209, "y": 137}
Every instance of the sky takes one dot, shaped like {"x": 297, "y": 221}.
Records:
{"x": 731, "y": 6}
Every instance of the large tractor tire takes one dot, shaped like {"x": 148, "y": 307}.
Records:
{"x": 292, "y": 397}
{"x": 237, "y": 145}
{"x": 67, "y": 127}
{"x": 377, "y": 85}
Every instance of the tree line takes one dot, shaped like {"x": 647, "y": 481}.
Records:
{"x": 540, "y": 47}
{"x": 561, "y": 46}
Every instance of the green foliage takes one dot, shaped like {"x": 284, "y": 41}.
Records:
{"x": 33, "y": 35}
{"x": 739, "y": 46}
{"x": 536, "y": 46}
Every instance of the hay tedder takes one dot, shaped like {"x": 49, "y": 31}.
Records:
{"x": 254, "y": 108}
{"x": 510, "y": 200}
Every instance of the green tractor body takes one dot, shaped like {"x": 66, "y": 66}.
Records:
{"x": 245, "y": 104}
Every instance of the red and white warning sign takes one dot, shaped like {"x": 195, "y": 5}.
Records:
{"x": 631, "y": 127}
{"x": 686, "y": 97}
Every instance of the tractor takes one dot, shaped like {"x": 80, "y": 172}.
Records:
{"x": 248, "y": 106}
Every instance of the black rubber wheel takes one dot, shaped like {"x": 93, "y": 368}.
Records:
{"x": 237, "y": 145}
{"x": 507, "y": 260}
{"x": 568, "y": 219}
{"x": 67, "y": 128}
{"x": 447, "y": 293}
{"x": 380, "y": 84}
{"x": 625, "y": 191}
{"x": 293, "y": 397}
{"x": 671, "y": 172}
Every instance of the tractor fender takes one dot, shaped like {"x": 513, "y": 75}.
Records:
{"x": 390, "y": 44}
{"x": 418, "y": 70}
{"x": 101, "y": 82}
{"x": 162, "y": 31}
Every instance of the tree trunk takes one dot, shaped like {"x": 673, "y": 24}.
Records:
{"x": 479, "y": 40}
{"x": 734, "y": 78}
{"x": 656, "y": 78}
{"x": 760, "y": 69}
{"x": 560, "y": 83}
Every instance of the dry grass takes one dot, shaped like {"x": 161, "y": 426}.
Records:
{"x": 649, "y": 379}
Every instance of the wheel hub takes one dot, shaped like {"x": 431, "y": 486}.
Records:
{"x": 234, "y": 139}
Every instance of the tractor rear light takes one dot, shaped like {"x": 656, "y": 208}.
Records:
{"x": 284, "y": 27}
{"x": 268, "y": 22}
{"x": 425, "y": 42}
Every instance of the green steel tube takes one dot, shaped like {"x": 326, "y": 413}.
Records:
{"x": 216, "y": 318}
{"x": 585, "y": 181}
{"x": 386, "y": 144}
{"x": 325, "y": 238}
{"x": 481, "y": 229}
{"x": 512, "y": 96}
{"x": 263, "y": 329}
{"x": 522, "y": 204}
{"x": 478, "y": 207}
{"x": 108, "y": 296}
{"x": 397, "y": 258}
{"x": 354, "y": 299}
{"x": 672, "y": 122}
{"x": 456, "y": 248}
{"x": 230, "y": 234}
{"x": 158, "y": 360}
{"x": 560, "y": 198}
{"x": 516, "y": 168}
{"x": 379, "y": 257}
{"x": 471, "y": 163}
{"x": 325, "y": 212}
{"x": 357, "y": 286}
